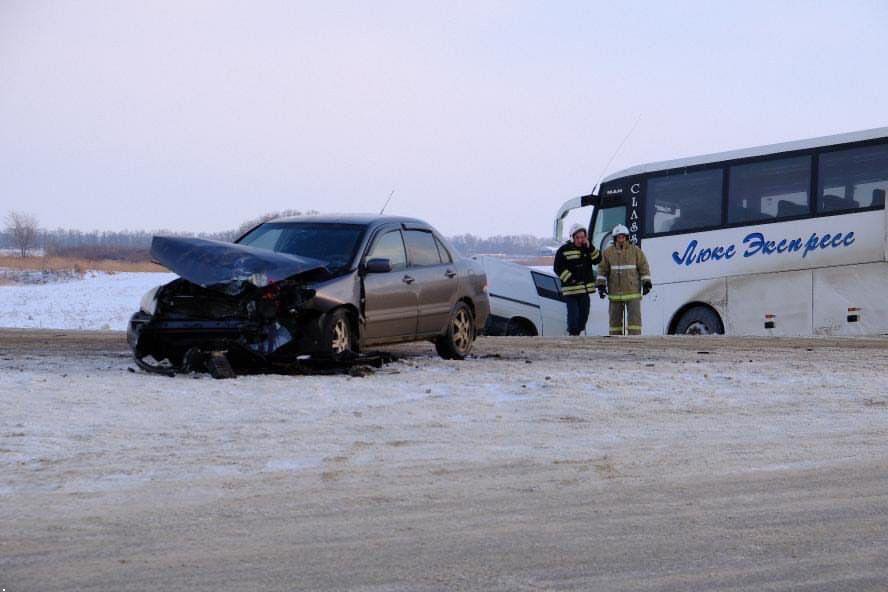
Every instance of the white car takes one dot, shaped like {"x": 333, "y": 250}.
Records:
{"x": 523, "y": 300}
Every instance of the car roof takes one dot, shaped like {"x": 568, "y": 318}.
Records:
{"x": 363, "y": 219}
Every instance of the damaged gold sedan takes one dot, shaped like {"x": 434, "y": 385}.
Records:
{"x": 321, "y": 287}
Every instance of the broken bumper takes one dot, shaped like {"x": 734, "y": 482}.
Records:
{"x": 246, "y": 342}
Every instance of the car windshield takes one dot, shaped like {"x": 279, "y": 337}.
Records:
{"x": 335, "y": 244}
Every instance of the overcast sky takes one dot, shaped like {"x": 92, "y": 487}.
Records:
{"x": 483, "y": 116}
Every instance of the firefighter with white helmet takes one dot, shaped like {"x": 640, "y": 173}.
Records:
{"x": 574, "y": 266}
{"x": 624, "y": 276}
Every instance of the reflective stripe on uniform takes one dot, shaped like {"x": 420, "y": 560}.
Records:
{"x": 622, "y": 267}
{"x": 564, "y": 275}
{"x": 645, "y": 278}
{"x": 571, "y": 290}
{"x": 590, "y": 286}
{"x": 634, "y": 327}
{"x": 624, "y": 297}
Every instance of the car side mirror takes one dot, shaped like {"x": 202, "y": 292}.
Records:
{"x": 378, "y": 265}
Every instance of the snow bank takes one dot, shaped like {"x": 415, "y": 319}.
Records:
{"x": 99, "y": 301}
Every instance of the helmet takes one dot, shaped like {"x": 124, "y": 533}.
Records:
{"x": 620, "y": 229}
{"x": 576, "y": 228}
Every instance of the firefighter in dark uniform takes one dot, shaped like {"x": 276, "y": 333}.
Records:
{"x": 573, "y": 265}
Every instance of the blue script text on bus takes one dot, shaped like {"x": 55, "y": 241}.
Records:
{"x": 756, "y": 244}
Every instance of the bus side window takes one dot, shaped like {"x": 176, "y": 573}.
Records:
{"x": 685, "y": 201}
{"x": 769, "y": 189}
{"x": 852, "y": 179}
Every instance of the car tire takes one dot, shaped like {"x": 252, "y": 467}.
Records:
{"x": 339, "y": 337}
{"x": 699, "y": 320}
{"x": 519, "y": 328}
{"x": 459, "y": 336}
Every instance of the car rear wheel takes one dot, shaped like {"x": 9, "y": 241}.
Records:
{"x": 520, "y": 328}
{"x": 339, "y": 334}
{"x": 456, "y": 342}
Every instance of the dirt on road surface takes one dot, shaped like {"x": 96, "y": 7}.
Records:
{"x": 539, "y": 464}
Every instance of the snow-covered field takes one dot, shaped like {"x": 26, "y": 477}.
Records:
{"x": 99, "y": 301}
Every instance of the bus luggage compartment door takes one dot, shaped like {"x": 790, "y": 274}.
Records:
{"x": 779, "y": 300}
{"x": 840, "y": 290}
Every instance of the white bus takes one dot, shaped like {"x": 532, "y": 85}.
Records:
{"x": 787, "y": 239}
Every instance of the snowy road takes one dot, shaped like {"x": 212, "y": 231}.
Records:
{"x": 587, "y": 464}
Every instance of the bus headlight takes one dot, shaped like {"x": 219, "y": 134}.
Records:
{"x": 149, "y": 301}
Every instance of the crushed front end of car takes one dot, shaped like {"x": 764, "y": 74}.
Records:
{"x": 232, "y": 306}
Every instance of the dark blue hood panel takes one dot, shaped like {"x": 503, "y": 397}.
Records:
{"x": 228, "y": 266}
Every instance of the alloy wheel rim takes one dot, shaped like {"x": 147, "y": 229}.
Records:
{"x": 340, "y": 341}
{"x": 462, "y": 331}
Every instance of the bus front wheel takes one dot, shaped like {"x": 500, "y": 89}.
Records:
{"x": 699, "y": 320}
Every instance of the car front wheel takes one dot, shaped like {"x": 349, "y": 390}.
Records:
{"x": 339, "y": 335}
{"x": 459, "y": 336}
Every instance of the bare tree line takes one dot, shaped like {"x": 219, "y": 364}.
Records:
{"x": 508, "y": 244}
{"x": 22, "y": 233}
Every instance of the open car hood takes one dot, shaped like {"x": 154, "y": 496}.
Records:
{"x": 228, "y": 266}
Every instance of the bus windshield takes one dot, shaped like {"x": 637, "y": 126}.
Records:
{"x": 604, "y": 222}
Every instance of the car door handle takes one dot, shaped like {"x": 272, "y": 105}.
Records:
{"x": 450, "y": 273}
{"x": 407, "y": 279}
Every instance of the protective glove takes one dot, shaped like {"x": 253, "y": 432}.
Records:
{"x": 602, "y": 292}
{"x": 646, "y": 287}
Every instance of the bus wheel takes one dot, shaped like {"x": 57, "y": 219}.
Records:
{"x": 699, "y": 320}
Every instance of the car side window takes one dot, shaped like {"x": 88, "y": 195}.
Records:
{"x": 443, "y": 252}
{"x": 422, "y": 248}
{"x": 390, "y": 246}
{"x": 547, "y": 286}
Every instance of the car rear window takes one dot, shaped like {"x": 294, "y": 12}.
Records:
{"x": 443, "y": 252}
